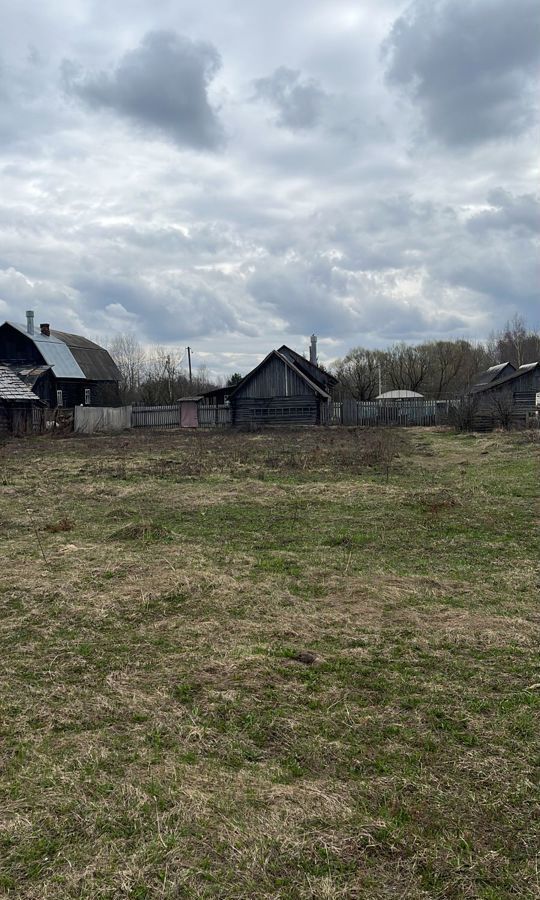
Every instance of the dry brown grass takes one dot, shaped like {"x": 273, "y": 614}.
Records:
{"x": 162, "y": 734}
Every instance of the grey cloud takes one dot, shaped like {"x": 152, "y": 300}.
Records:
{"x": 180, "y": 307}
{"x": 318, "y": 296}
{"x": 507, "y": 211}
{"x": 468, "y": 65}
{"x": 162, "y": 85}
{"x": 299, "y": 104}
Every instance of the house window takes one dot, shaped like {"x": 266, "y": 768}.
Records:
{"x": 59, "y": 398}
{"x": 87, "y": 397}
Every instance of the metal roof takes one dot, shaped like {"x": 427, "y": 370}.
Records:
{"x": 96, "y": 362}
{"x": 55, "y": 353}
{"x": 528, "y": 367}
{"x": 491, "y": 374}
{"x": 73, "y": 356}
{"x": 400, "y": 395}
{"x": 13, "y": 389}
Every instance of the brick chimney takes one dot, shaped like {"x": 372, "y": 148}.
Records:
{"x": 45, "y": 329}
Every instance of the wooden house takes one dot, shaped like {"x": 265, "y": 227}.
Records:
{"x": 61, "y": 369}
{"x": 17, "y": 404}
{"x": 284, "y": 389}
{"x": 509, "y": 396}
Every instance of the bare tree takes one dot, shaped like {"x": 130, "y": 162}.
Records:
{"x": 516, "y": 343}
{"x": 462, "y": 412}
{"x": 130, "y": 357}
{"x": 502, "y": 408}
{"x": 407, "y": 367}
{"x": 358, "y": 373}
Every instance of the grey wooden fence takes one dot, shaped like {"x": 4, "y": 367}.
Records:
{"x": 156, "y": 416}
{"x": 388, "y": 412}
{"x": 214, "y": 416}
{"x": 169, "y": 416}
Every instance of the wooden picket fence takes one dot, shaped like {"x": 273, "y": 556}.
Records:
{"x": 156, "y": 416}
{"x": 400, "y": 413}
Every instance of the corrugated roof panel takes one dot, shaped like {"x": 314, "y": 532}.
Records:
{"x": 55, "y": 353}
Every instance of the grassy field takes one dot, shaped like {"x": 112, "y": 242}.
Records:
{"x": 283, "y": 665}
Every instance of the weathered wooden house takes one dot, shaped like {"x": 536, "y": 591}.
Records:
{"x": 17, "y": 404}
{"x": 509, "y": 396}
{"x": 61, "y": 369}
{"x": 284, "y": 389}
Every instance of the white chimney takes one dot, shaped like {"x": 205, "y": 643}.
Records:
{"x": 313, "y": 350}
{"x": 30, "y": 321}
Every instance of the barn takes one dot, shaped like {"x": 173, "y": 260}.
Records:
{"x": 284, "y": 389}
{"x": 17, "y": 404}
{"x": 61, "y": 369}
{"x": 508, "y": 397}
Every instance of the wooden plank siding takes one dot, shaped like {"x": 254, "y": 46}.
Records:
{"x": 274, "y": 380}
{"x": 275, "y": 395}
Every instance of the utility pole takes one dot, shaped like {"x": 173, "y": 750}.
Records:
{"x": 169, "y": 378}
{"x": 380, "y": 379}
{"x": 189, "y": 363}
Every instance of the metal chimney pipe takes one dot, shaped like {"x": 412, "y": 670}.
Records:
{"x": 313, "y": 350}
{"x": 30, "y": 321}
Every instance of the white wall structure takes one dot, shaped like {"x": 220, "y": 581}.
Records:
{"x": 93, "y": 419}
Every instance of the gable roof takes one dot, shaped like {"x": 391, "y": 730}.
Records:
{"x": 292, "y": 366}
{"x": 493, "y": 373}
{"x": 13, "y": 389}
{"x": 528, "y": 367}
{"x": 325, "y": 379}
{"x": 73, "y": 356}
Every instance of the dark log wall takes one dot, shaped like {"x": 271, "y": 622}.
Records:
{"x": 102, "y": 393}
{"x": 299, "y": 410}
{"x": 16, "y": 347}
{"x": 16, "y": 419}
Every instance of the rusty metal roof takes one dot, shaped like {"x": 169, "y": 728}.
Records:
{"x": 12, "y": 389}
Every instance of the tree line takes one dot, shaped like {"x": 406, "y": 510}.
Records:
{"x": 155, "y": 376}
{"x": 437, "y": 369}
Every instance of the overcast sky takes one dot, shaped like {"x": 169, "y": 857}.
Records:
{"x": 239, "y": 174}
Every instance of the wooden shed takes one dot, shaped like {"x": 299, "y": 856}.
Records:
{"x": 284, "y": 389}
{"x": 17, "y": 404}
{"x": 508, "y": 398}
